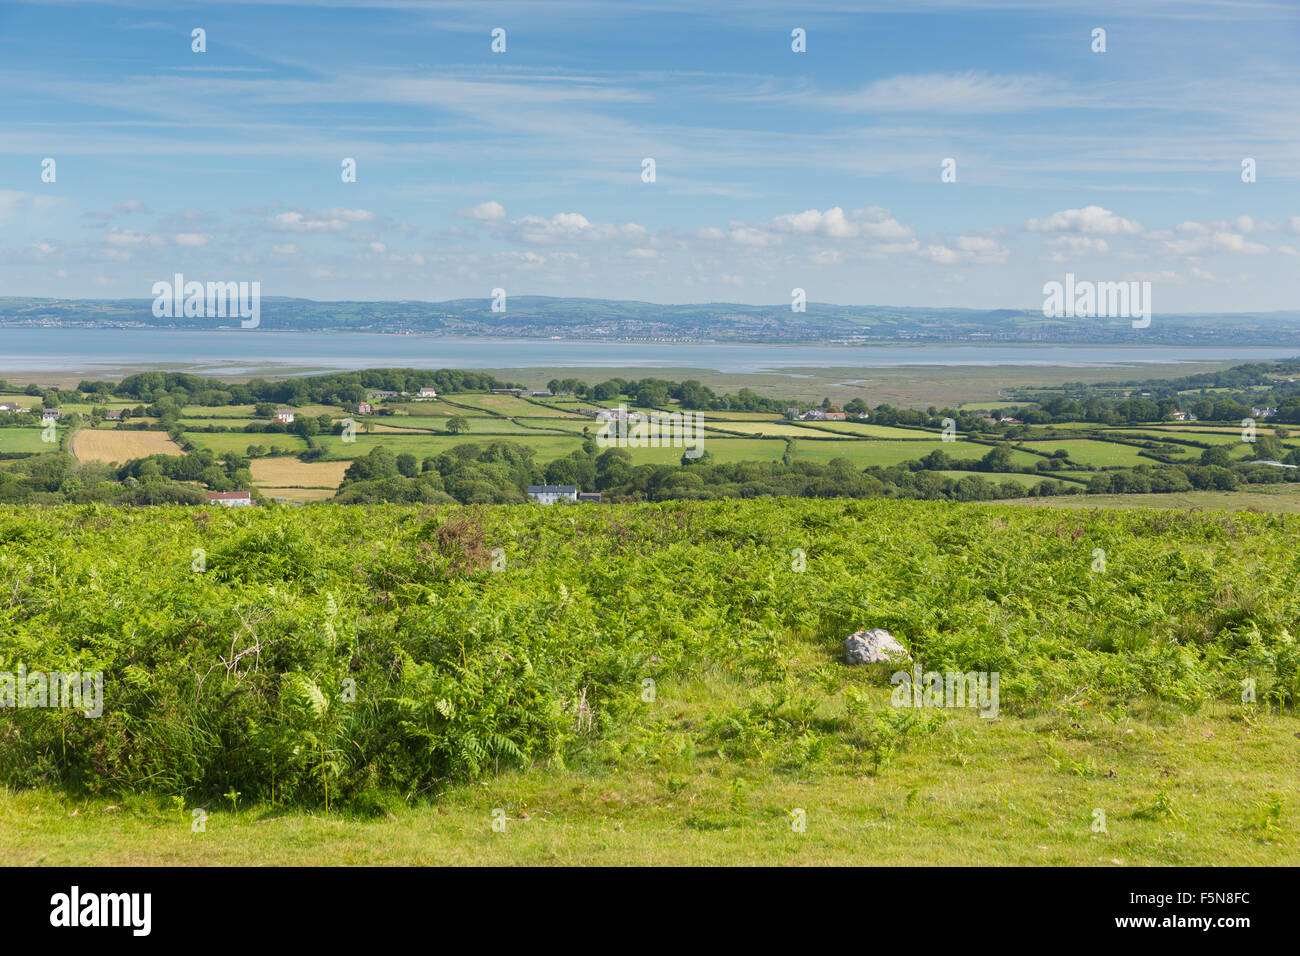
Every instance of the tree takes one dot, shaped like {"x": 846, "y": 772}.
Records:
{"x": 457, "y": 425}
{"x": 998, "y": 459}
{"x": 1216, "y": 455}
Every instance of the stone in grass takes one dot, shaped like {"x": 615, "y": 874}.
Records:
{"x": 873, "y": 646}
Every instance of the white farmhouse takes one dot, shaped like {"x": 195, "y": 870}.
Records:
{"x": 550, "y": 494}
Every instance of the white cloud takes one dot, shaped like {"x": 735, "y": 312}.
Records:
{"x": 970, "y": 92}
{"x": 1231, "y": 242}
{"x": 831, "y": 223}
{"x": 1090, "y": 219}
{"x": 329, "y": 220}
{"x": 128, "y": 238}
{"x": 490, "y": 211}
{"x": 192, "y": 240}
{"x": 755, "y": 238}
{"x": 571, "y": 227}
{"x": 977, "y": 244}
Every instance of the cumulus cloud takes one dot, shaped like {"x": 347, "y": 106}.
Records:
{"x": 834, "y": 223}
{"x": 490, "y": 211}
{"x": 977, "y": 244}
{"x": 129, "y": 238}
{"x": 192, "y": 240}
{"x": 329, "y": 220}
{"x": 1092, "y": 220}
{"x": 1232, "y": 242}
{"x": 754, "y": 238}
{"x": 571, "y": 227}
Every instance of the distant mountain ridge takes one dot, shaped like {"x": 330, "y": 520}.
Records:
{"x": 529, "y": 316}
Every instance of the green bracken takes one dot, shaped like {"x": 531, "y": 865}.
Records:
{"x": 362, "y": 655}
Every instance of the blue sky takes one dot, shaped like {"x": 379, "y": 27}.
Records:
{"x": 774, "y": 169}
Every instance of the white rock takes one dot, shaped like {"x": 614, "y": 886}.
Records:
{"x": 873, "y": 646}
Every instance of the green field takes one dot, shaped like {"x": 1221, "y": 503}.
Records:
{"x": 1086, "y": 451}
{"x": 1204, "y": 437}
{"x": 27, "y": 439}
{"x": 544, "y": 446}
{"x": 885, "y": 453}
{"x": 723, "y": 450}
{"x": 220, "y": 411}
{"x": 1280, "y": 499}
{"x": 868, "y": 430}
{"x": 769, "y": 428}
{"x": 997, "y": 477}
{"x": 509, "y": 405}
{"x": 222, "y": 442}
{"x": 652, "y": 684}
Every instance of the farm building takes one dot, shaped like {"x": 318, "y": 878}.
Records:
{"x": 593, "y": 496}
{"x": 550, "y": 494}
{"x": 229, "y": 499}
{"x": 363, "y": 408}
{"x": 12, "y": 407}
{"x": 285, "y": 415}
{"x": 428, "y": 393}
{"x": 50, "y": 415}
{"x": 113, "y": 415}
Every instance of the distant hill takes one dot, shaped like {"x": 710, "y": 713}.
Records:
{"x": 607, "y": 319}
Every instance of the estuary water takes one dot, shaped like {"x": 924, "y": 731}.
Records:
{"x": 236, "y": 352}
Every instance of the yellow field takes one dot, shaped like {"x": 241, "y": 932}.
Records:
{"x": 275, "y": 475}
{"x": 299, "y": 494}
{"x": 107, "y": 445}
